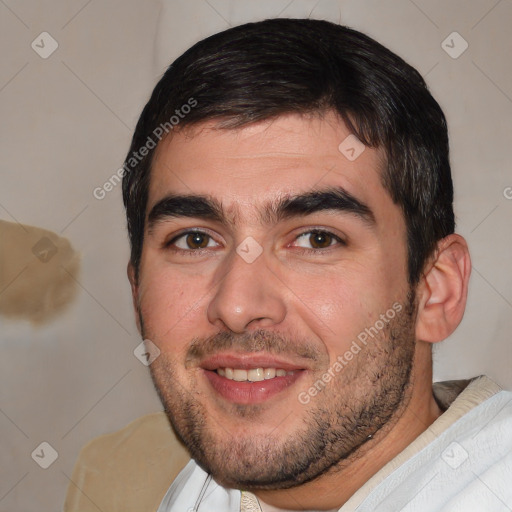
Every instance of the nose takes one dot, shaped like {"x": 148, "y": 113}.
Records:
{"x": 247, "y": 297}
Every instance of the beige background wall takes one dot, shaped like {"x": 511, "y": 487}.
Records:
{"x": 66, "y": 122}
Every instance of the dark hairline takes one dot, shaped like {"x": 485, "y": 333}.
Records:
{"x": 383, "y": 101}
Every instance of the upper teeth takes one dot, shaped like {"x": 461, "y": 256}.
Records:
{"x": 253, "y": 375}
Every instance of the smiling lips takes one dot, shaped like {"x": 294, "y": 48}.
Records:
{"x": 252, "y": 375}
{"x": 249, "y": 378}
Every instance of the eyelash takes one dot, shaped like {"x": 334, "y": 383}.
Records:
{"x": 316, "y": 251}
{"x": 304, "y": 250}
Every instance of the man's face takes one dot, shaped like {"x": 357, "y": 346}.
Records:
{"x": 253, "y": 288}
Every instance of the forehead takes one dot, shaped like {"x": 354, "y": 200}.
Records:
{"x": 249, "y": 166}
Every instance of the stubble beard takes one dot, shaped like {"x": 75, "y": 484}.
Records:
{"x": 366, "y": 395}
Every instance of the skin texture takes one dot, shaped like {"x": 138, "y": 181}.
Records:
{"x": 306, "y": 308}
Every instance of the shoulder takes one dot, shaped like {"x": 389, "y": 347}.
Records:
{"x": 130, "y": 469}
{"x": 463, "y": 461}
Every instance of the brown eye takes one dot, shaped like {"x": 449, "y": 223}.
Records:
{"x": 320, "y": 239}
{"x": 197, "y": 240}
{"x": 191, "y": 241}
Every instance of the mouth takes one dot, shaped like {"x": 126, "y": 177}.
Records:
{"x": 253, "y": 374}
{"x": 250, "y": 379}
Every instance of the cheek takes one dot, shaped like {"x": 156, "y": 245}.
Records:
{"x": 339, "y": 304}
{"x": 170, "y": 306}
{"x": 331, "y": 303}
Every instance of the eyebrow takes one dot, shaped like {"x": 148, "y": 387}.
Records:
{"x": 335, "y": 199}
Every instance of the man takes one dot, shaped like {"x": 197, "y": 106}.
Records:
{"x": 293, "y": 260}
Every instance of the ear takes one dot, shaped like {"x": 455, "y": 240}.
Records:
{"x": 442, "y": 291}
{"x": 135, "y": 293}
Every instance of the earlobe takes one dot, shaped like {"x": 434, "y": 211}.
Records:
{"x": 135, "y": 292}
{"x": 442, "y": 292}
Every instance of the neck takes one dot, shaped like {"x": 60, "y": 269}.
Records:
{"x": 332, "y": 490}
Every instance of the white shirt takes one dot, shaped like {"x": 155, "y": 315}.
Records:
{"x": 462, "y": 462}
